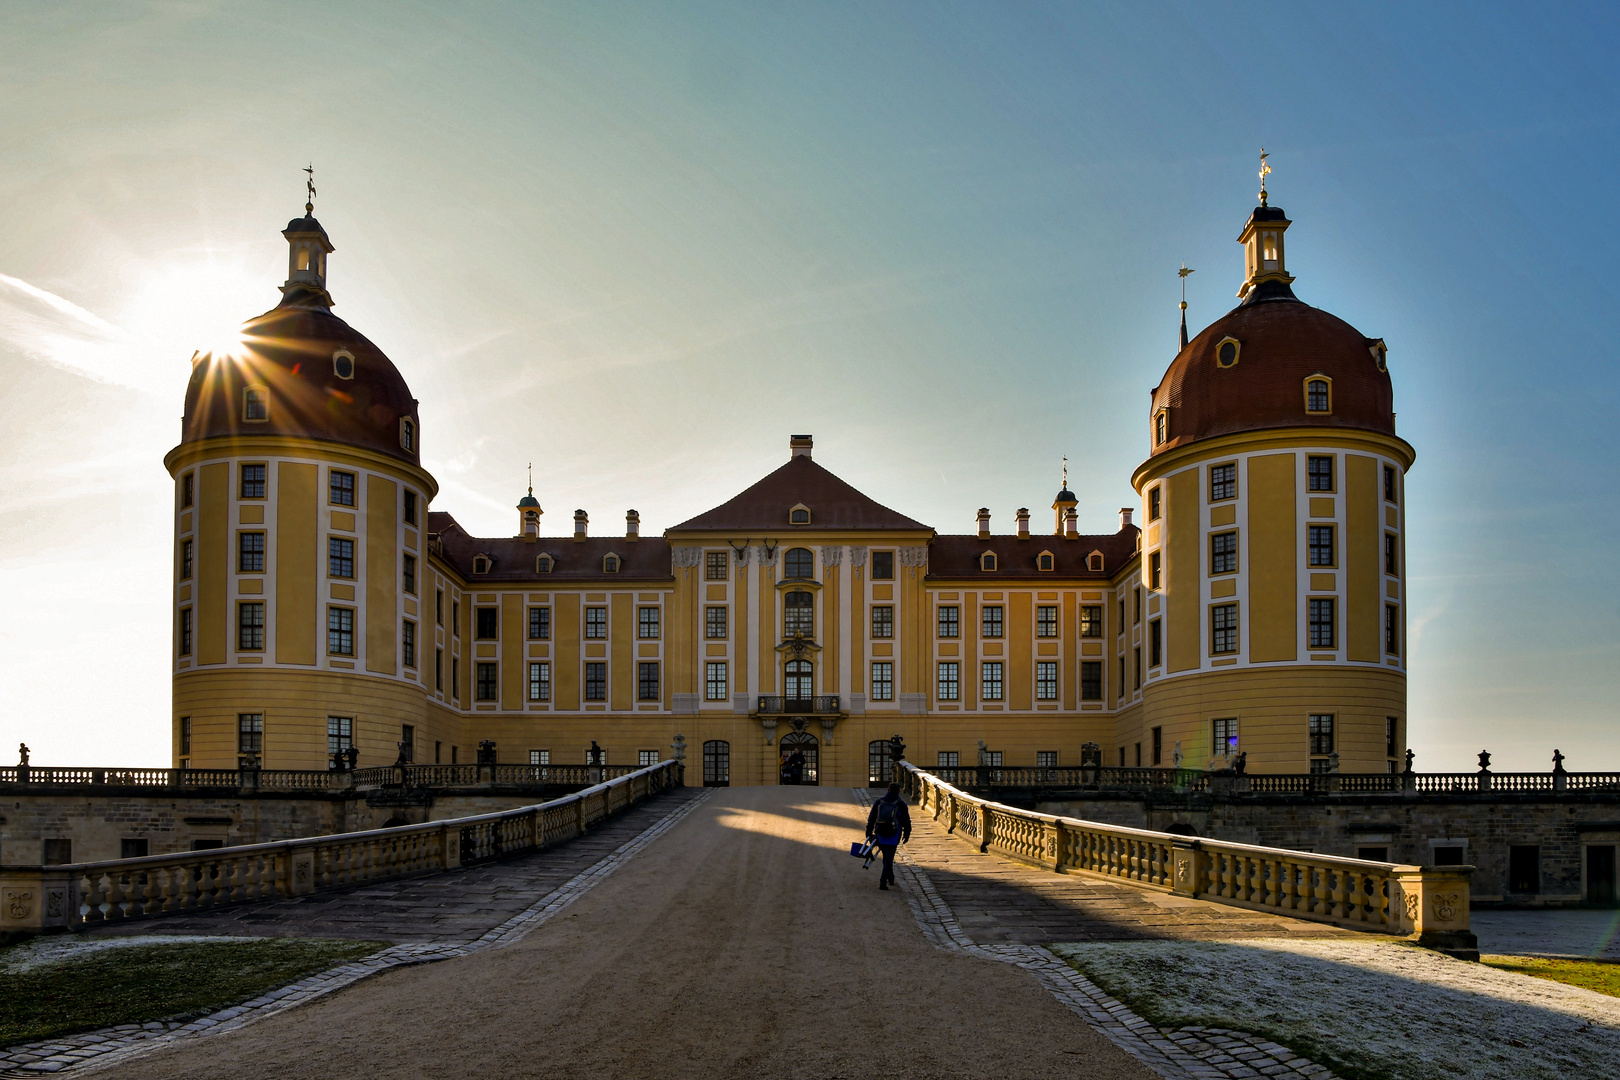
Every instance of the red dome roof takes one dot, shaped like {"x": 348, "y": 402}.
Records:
{"x": 290, "y": 352}
{"x": 1281, "y": 343}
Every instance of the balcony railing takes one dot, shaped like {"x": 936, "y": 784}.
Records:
{"x": 1194, "y": 781}
{"x": 777, "y": 705}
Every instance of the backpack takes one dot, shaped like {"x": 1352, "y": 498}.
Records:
{"x": 888, "y": 817}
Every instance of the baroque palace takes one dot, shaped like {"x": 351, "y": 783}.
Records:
{"x": 322, "y": 604}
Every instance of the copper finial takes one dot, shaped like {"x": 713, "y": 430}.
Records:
{"x": 1265, "y": 171}
{"x": 309, "y": 183}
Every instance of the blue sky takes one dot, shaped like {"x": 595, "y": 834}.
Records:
{"x": 640, "y": 244}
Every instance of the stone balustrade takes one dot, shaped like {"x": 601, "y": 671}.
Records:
{"x": 34, "y": 777}
{"x": 1425, "y": 903}
{"x": 45, "y": 898}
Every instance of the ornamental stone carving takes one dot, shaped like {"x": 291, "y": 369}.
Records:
{"x": 1445, "y": 906}
{"x": 912, "y": 556}
{"x": 56, "y": 904}
{"x": 19, "y": 903}
{"x": 1411, "y": 907}
{"x": 687, "y": 557}
{"x": 857, "y": 556}
{"x": 767, "y": 554}
{"x": 832, "y": 555}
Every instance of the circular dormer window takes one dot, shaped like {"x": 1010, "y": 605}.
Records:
{"x": 1226, "y": 353}
{"x": 343, "y": 365}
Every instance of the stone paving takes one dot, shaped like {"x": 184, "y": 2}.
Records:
{"x": 1096, "y": 910}
{"x": 459, "y": 928}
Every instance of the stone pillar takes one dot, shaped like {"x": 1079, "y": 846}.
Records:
{"x": 1188, "y": 866}
{"x": 984, "y": 826}
{"x": 300, "y": 870}
{"x": 1052, "y": 844}
{"x": 38, "y": 899}
{"x": 1434, "y": 908}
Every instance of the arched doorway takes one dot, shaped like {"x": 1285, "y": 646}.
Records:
{"x": 798, "y": 686}
{"x": 716, "y": 763}
{"x": 799, "y": 758}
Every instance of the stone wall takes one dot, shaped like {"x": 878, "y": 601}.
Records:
{"x": 1407, "y": 830}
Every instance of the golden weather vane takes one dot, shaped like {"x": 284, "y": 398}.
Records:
{"x": 309, "y": 184}
{"x": 531, "y": 478}
{"x": 1265, "y": 171}
{"x": 1065, "y": 472}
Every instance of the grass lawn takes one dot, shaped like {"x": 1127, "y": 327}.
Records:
{"x": 139, "y": 983}
{"x": 1600, "y": 975}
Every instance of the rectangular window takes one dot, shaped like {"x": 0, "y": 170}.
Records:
{"x": 539, "y": 680}
{"x": 455, "y": 680}
{"x": 1158, "y": 746}
{"x": 1319, "y": 473}
{"x": 1226, "y": 736}
{"x": 1222, "y": 482}
{"x": 339, "y": 734}
{"x": 716, "y": 566}
{"x": 249, "y": 553}
{"x": 1155, "y": 503}
{"x": 883, "y": 680}
{"x": 539, "y": 757}
{"x": 714, "y": 623}
{"x": 1320, "y": 766}
{"x": 1046, "y": 620}
{"x": 341, "y": 486}
{"x": 1046, "y": 759}
{"x": 950, "y": 621}
{"x": 250, "y": 625}
{"x": 1155, "y": 643}
{"x": 408, "y": 576}
{"x": 991, "y": 620}
{"x": 1155, "y": 571}
{"x": 946, "y": 759}
{"x": 438, "y": 606}
{"x": 1091, "y": 621}
{"x": 1524, "y": 868}
{"x": 1121, "y": 690}
{"x": 1389, "y": 736}
{"x": 407, "y": 642}
{"x": 249, "y": 733}
{"x": 407, "y": 743}
{"x": 716, "y": 686}
{"x": 487, "y": 623}
{"x": 487, "y": 687}
{"x": 340, "y": 631}
{"x": 647, "y": 623}
{"x": 1091, "y": 687}
{"x": 134, "y": 848}
{"x": 1223, "y": 553}
{"x": 1321, "y": 731}
{"x": 339, "y": 557}
{"x": 1392, "y": 630}
{"x": 1392, "y": 555}
{"x": 644, "y": 758}
{"x": 596, "y": 622}
{"x": 882, "y": 566}
{"x": 647, "y": 681}
{"x": 1137, "y": 681}
{"x": 187, "y": 548}
{"x": 1389, "y": 483}
{"x": 990, "y": 680}
{"x": 455, "y": 618}
{"x": 438, "y": 670}
{"x": 1138, "y": 755}
{"x": 185, "y": 734}
{"x": 1137, "y": 614}
{"x": 1223, "y": 628}
{"x": 1320, "y": 545}
{"x": 950, "y": 687}
{"x": 1321, "y": 624}
{"x": 188, "y": 488}
{"x": 883, "y": 621}
{"x": 185, "y": 631}
{"x": 596, "y": 681}
{"x": 1046, "y": 680}
{"x": 539, "y": 624}
{"x": 252, "y": 481}
{"x": 255, "y": 404}
{"x": 410, "y": 508}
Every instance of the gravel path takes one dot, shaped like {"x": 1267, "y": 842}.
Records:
{"x": 743, "y": 943}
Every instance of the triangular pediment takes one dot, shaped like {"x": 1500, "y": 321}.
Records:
{"x": 768, "y": 504}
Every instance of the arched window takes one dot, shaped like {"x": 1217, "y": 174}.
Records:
{"x": 1045, "y": 561}
{"x": 1094, "y": 561}
{"x": 610, "y": 564}
{"x": 407, "y": 433}
{"x": 542, "y": 564}
{"x": 1161, "y": 427}
{"x": 1318, "y": 396}
{"x": 799, "y": 515}
{"x": 987, "y": 561}
{"x": 798, "y": 565}
{"x": 480, "y": 564}
{"x": 303, "y": 256}
{"x": 1270, "y": 255}
{"x": 717, "y": 763}
{"x": 798, "y": 614}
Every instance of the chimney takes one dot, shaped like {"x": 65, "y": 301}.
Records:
{"x": 1071, "y": 524}
{"x": 984, "y": 523}
{"x": 1023, "y": 523}
{"x": 632, "y": 525}
{"x": 1124, "y": 518}
{"x": 581, "y": 520}
{"x": 798, "y": 446}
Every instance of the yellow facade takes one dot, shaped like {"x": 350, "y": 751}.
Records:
{"x": 319, "y": 603}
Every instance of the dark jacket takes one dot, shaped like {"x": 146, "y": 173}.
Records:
{"x": 903, "y": 818}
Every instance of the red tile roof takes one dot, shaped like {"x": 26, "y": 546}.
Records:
{"x": 955, "y": 557}
{"x": 833, "y": 504}
{"x": 512, "y": 558}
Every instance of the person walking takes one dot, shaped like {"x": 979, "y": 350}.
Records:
{"x": 889, "y": 826}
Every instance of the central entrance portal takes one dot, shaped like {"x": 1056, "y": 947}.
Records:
{"x": 798, "y": 760}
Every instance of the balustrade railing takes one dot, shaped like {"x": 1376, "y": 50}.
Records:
{"x": 776, "y": 704}
{"x": 313, "y": 779}
{"x": 82, "y": 894}
{"x": 1430, "y": 903}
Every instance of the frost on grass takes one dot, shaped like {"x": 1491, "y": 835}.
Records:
{"x": 1366, "y": 1009}
{"x": 56, "y": 948}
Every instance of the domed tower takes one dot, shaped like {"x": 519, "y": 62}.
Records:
{"x": 300, "y": 510}
{"x": 1273, "y": 557}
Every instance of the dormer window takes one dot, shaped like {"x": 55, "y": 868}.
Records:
{"x": 255, "y": 403}
{"x": 987, "y": 561}
{"x": 1045, "y": 562}
{"x": 799, "y": 515}
{"x": 543, "y": 563}
{"x": 343, "y": 364}
{"x": 407, "y": 433}
{"x": 1161, "y": 427}
{"x": 610, "y": 563}
{"x": 1226, "y": 353}
{"x": 1318, "y": 394}
{"x": 1380, "y": 354}
{"x": 1094, "y": 561}
{"x": 481, "y": 564}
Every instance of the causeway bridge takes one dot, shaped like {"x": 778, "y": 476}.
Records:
{"x": 641, "y": 928}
